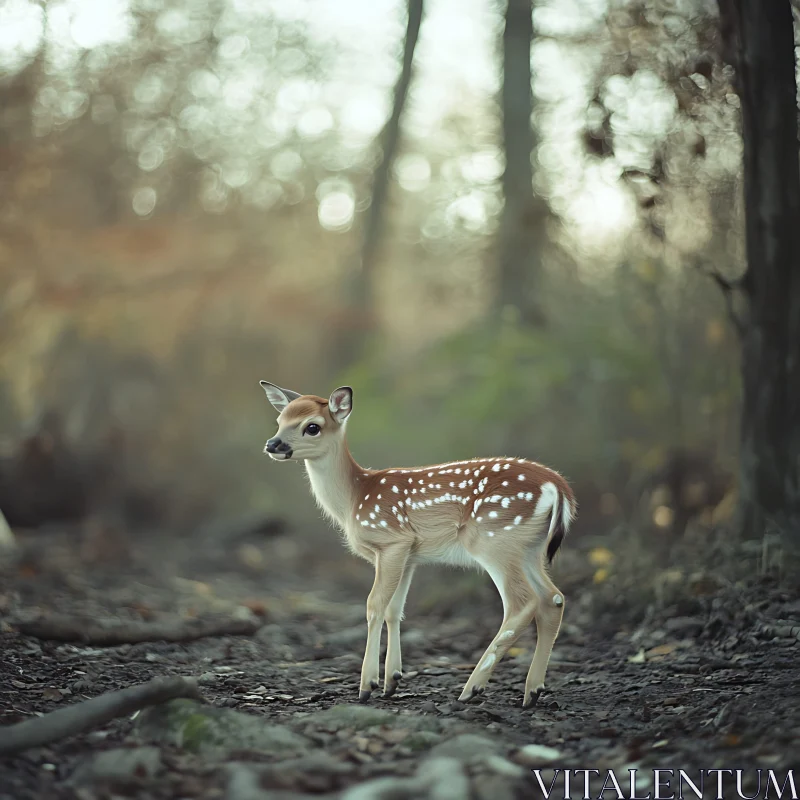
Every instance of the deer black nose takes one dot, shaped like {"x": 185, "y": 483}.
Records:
{"x": 275, "y": 445}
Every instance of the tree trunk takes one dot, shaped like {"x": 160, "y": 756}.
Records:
{"x": 360, "y": 293}
{"x": 770, "y": 426}
{"x": 522, "y": 224}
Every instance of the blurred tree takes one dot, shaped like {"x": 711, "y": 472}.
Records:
{"x": 348, "y": 346}
{"x": 763, "y": 47}
{"x": 522, "y": 222}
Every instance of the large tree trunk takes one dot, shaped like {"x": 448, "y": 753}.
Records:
{"x": 770, "y": 429}
{"x": 360, "y": 294}
{"x": 522, "y": 224}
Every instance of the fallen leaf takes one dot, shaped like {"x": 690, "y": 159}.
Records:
{"x": 258, "y": 607}
{"x": 393, "y": 735}
{"x": 600, "y": 556}
{"x": 517, "y": 651}
{"x": 50, "y": 693}
{"x": 639, "y": 658}
{"x": 601, "y": 575}
{"x": 661, "y": 650}
{"x": 732, "y": 740}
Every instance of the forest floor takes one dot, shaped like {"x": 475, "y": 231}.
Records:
{"x": 710, "y": 680}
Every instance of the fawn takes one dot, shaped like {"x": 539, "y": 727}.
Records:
{"x": 507, "y": 515}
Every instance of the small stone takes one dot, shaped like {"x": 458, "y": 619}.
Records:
{"x": 444, "y": 779}
{"x": 384, "y": 789}
{"x": 534, "y": 755}
{"x": 200, "y": 728}
{"x": 502, "y": 766}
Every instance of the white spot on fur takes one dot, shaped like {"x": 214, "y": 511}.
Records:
{"x": 492, "y": 515}
{"x": 395, "y": 490}
{"x": 371, "y": 515}
{"x": 496, "y": 468}
{"x": 505, "y": 502}
{"x": 366, "y": 497}
{"x": 506, "y": 466}
{"x": 507, "y": 635}
{"x": 479, "y": 519}
{"x": 489, "y": 663}
{"x": 521, "y": 477}
{"x": 508, "y": 527}
{"x": 490, "y": 533}
{"x": 517, "y": 520}
{"x": 379, "y": 497}
{"x": 365, "y": 522}
{"x": 384, "y": 524}
{"x": 383, "y": 480}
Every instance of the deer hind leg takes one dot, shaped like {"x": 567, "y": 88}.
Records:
{"x": 519, "y": 607}
{"x": 390, "y": 564}
{"x": 393, "y": 667}
{"x": 549, "y": 613}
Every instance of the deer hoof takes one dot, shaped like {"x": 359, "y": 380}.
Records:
{"x": 477, "y": 691}
{"x": 533, "y": 698}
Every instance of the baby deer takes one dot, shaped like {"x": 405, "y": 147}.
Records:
{"x": 507, "y": 515}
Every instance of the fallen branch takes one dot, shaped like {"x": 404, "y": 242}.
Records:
{"x": 63, "y": 628}
{"x": 80, "y": 717}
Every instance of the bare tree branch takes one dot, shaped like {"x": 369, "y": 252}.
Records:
{"x": 373, "y": 227}
{"x": 63, "y": 628}
{"x": 729, "y": 288}
{"x": 361, "y": 286}
{"x": 80, "y": 717}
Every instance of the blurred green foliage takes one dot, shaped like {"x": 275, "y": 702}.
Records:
{"x": 591, "y": 393}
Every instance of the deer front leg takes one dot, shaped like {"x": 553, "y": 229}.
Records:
{"x": 393, "y": 667}
{"x": 390, "y": 563}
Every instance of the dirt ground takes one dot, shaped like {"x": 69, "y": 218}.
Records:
{"x": 711, "y": 680}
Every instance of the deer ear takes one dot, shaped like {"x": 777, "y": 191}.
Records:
{"x": 280, "y": 398}
{"x": 340, "y": 403}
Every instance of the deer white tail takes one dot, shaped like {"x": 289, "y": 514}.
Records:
{"x": 560, "y": 521}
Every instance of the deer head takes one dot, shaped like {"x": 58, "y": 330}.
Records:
{"x": 309, "y": 427}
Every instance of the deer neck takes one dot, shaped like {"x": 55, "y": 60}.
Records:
{"x": 334, "y": 482}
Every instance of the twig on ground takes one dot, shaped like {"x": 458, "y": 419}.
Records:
{"x": 80, "y": 717}
{"x": 64, "y": 628}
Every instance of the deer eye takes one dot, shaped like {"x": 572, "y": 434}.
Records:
{"x": 312, "y": 429}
